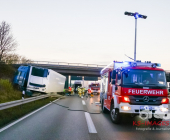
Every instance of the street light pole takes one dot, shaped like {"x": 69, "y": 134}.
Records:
{"x": 136, "y": 15}
{"x": 135, "y": 39}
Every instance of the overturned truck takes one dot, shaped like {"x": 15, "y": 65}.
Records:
{"x": 33, "y": 79}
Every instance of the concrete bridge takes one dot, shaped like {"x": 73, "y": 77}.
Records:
{"x": 77, "y": 69}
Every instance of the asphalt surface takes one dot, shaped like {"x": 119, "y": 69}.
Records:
{"x": 66, "y": 119}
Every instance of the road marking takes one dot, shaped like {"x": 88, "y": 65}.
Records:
{"x": 98, "y": 103}
{"x": 8, "y": 126}
{"x": 83, "y": 102}
{"x": 90, "y": 124}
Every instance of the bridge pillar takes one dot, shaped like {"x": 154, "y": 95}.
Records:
{"x": 83, "y": 80}
{"x": 69, "y": 81}
{"x": 66, "y": 82}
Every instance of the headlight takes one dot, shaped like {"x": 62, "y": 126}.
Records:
{"x": 125, "y": 108}
{"x": 164, "y": 109}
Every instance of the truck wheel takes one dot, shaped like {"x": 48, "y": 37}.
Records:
{"x": 103, "y": 108}
{"x": 115, "y": 115}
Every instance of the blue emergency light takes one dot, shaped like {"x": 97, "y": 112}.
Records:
{"x": 136, "y": 15}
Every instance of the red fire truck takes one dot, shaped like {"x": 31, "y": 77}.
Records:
{"x": 95, "y": 88}
{"x": 127, "y": 87}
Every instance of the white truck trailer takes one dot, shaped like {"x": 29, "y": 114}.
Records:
{"x": 37, "y": 79}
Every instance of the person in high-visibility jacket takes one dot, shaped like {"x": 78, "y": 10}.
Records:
{"x": 89, "y": 93}
{"x": 79, "y": 92}
{"x": 72, "y": 91}
{"x": 83, "y": 91}
{"x": 69, "y": 90}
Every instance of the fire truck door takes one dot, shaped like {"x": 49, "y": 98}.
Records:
{"x": 109, "y": 92}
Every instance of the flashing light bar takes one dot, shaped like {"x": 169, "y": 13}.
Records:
{"x": 120, "y": 65}
{"x": 139, "y": 63}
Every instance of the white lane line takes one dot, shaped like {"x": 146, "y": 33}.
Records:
{"x": 83, "y": 102}
{"x": 90, "y": 124}
{"x": 6, "y": 127}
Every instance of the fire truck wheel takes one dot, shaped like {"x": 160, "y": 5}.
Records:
{"x": 115, "y": 115}
{"x": 104, "y": 110}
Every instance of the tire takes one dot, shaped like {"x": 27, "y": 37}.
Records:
{"x": 115, "y": 115}
{"x": 104, "y": 110}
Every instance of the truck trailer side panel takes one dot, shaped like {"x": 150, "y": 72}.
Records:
{"x": 56, "y": 82}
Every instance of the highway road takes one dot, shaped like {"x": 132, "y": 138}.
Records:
{"x": 74, "y": 118}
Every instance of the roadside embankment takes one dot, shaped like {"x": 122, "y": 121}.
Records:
{"x": 7, "y": 92}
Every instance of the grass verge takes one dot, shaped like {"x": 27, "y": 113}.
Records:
{"x": 7, "y": 92}
{"x": 14, "y": 113}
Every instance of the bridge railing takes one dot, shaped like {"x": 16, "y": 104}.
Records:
{"x": 58, "y": 63}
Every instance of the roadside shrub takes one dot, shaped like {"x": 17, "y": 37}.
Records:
{"x": 6, "y": 85}
{"x": 7, "y": 93}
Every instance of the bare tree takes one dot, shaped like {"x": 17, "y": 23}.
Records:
{"x": 7, "y": 42}
{"x": 15, "y": 59}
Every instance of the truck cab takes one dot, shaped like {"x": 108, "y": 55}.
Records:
{"x": 133, "y": 88}
{"x": 94, "y": 88}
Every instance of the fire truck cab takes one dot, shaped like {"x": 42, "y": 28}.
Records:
{"x": 131, "y": 87}
{"x": 94, "y": 88}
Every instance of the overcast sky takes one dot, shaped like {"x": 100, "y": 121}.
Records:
{"x": 89, "y": 31}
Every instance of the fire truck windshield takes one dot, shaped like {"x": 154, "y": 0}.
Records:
{"x": 144, "y": 77}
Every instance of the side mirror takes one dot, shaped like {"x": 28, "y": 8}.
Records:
{"x": 114, "y": 74}
{"x": 116, "y": 88}
{"x": 113, "y": 82}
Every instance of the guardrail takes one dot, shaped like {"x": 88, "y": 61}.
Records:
{"x": 57, "y": 63}
{"x": 20, "y": 102}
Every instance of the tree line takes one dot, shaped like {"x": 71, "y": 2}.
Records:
{"x": 8, "y": 46}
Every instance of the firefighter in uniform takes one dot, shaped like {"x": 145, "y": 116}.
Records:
{"x": 72, "y": 91}
{"x": 91, "y": 94}
{"x": 79, "y": 91}
{"x": 83, "y": 91}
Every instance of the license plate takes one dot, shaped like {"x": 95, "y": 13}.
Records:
{"x": 146, "y": 108}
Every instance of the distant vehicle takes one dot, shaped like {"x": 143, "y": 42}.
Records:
{"x": 37, "y": 79}
{"x": 95, "y": 88}
{"x": 76, "y": 85}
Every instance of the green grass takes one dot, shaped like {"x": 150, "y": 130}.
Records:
{"x": 7, "y": 92}
{"x": 7, "y": 72}
{"x": 14, "y": 113}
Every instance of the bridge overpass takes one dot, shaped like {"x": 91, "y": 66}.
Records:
{"x": 77, "y": 69}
